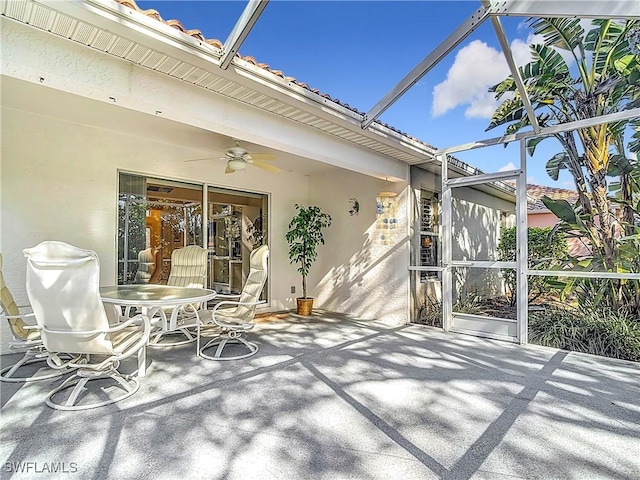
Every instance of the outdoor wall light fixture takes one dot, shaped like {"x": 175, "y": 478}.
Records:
{"x": 386, "y": 215}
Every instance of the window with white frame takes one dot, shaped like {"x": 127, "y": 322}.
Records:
{"x": 429, "y": 234}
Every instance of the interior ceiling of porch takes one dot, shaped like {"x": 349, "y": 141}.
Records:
{"x": 192, "y": 142}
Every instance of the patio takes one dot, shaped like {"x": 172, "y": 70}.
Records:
{"x": 335, "y": 397}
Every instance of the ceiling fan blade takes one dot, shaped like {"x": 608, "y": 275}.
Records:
{"x": 265, "y": 157}
{"x": 198, "y": 159}
{"x": 229, "y": 170}
{"x": 265, "y": 166}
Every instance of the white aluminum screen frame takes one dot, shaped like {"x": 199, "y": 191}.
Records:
{"x": 520, "y": 265}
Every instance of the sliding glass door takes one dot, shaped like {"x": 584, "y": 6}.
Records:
{"x": 237, "y": 224}
{"x": 157, "y": 216}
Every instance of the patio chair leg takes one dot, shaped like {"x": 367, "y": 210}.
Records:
{"x": 6, "y": 374}
{"x": 142, "y": 362}
{"x": 78, "y": 381}
{"x": 76, "y": 391}
{"x": 224, "y": 340}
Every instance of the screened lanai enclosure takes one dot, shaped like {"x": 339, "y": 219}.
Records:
{"x": 429, "y": 228}
{"x": 466, "y": 274}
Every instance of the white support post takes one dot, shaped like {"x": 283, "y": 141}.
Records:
{"x": 624, "y": 9}
{"x": 515, "y": 73}
{"x": 522, "y": 253}
{"x": 447, "y": 252}
{"x": 483, "y": 178}
{"x": 451, "y": 42}
{"x": 247, "y": 20}
{"x": 562, "y": 127}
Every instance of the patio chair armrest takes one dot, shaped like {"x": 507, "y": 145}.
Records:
{"x": 141, "y": 343}
{"x": 23, "y": 316}
{"x": 228, "y": 295}
{"x": 229, "y": 302}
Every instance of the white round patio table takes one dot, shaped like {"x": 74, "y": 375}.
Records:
{"x": 151, "y": 297}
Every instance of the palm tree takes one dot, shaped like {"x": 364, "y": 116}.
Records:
{"x": 603, "y": 77}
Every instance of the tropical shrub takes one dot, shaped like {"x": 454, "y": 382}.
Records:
{"x": 603, "y": 332}
{"x": 430, "y": 309}
{"x": 602, "y": 78}
{"x": 545, "y": 250}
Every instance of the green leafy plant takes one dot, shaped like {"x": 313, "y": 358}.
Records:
{"x": 304, "y": 236}
{"x": 430, "y": 308}
{"x": 545, "y": 247}
{"x": 603, "y": 78}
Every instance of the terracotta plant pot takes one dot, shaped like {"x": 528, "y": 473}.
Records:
{"x": 305, "y": 305}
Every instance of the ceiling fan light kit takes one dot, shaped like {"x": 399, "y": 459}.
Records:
{"x": 236, "y": 164}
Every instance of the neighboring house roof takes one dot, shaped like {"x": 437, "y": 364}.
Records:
{"x": 536, "y": 192}
{"x": 576, "y": 247}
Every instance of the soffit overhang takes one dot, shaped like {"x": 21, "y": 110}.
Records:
{"x": 127, "y": 34}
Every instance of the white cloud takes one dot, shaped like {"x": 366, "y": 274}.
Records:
{"x": 521, "y": 50}
{"x": 476, "y": 67}
{"x": 482, "y": 106}
{"x": 507, "y": 167}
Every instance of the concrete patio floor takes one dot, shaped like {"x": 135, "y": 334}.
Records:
{"x": 328, "y": 397}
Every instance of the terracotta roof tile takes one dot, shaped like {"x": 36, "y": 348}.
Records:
{"x": 149, "y": 13}
{"x": 197, "y": 34}
{"x": 214, "y": 42}
{"x": 539, "y": 191}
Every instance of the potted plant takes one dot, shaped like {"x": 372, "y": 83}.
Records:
{"x": 304, "y": 236}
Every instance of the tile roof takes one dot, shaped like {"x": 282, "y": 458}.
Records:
{"x": 538, "y": 191}
{"x": 197, "y": 34}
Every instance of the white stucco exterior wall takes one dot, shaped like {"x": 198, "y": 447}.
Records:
{"x": 355, "y": 273}
{"x": 35, "y": 56}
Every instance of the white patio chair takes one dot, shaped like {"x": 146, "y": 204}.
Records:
{"x": 63, "y": 289}
{"x": 26, "y": 340}
{"x": 188, "y": 269}
{"x": 236, "y": 322}
{"x": 149, "y": 266}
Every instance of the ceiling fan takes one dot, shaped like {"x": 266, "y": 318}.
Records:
{"x": 238, "y": 158}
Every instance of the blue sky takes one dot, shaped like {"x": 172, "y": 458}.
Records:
{"x": 357, "y": 51}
